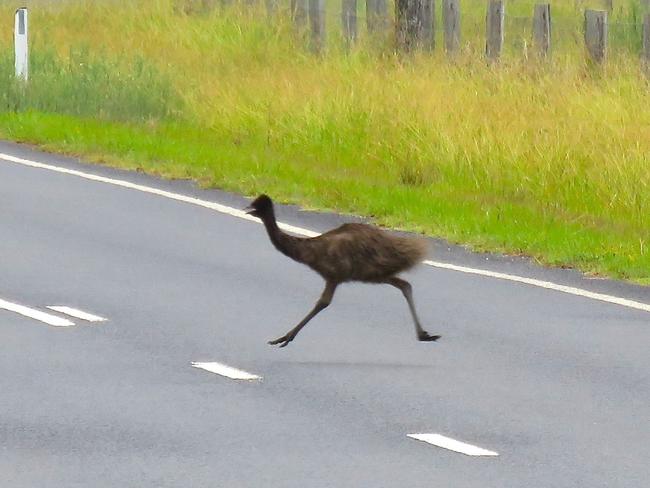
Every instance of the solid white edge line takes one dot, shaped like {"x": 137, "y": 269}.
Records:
{"x": 224, "y": 370}
{"x": 79, "y": 314}
{"x": 155, "y": 191}
{"x": 544, "y": 284}
{"x": 310, "y": 233}
{"x": 35, "y": 314}
{"x": 452, "y": 444}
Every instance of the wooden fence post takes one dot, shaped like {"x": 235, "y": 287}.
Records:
{"x": 407, "y": 23}
{"x": 494, "y": 31}
{"x": 542, "y": 29}
{"x": 427, "y": 23}
{"x": 451, "y": 21}
{"x": 414, "y": 23}
{"x": 299, "y": 9}
{"x": 596, "y": 34}
{"x": 317, "y": 24}
{"x": 349, "y": 20}
{"x": 376, "y": 16}
{"x": 271, "y": 7}
{"x": 646, "y": 41}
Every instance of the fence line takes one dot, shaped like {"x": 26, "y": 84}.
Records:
{"x": 414, "y": 23}
{"x": 415, "y": 27}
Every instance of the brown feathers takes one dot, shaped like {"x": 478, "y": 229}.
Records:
{"x": 360, "y": 252}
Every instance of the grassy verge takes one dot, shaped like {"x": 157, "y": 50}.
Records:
{"x": 551, "y": 161}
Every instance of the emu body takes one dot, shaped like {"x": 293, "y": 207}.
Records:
{"x": 351, "y": 252}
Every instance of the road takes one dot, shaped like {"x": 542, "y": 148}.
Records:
{"x": 557, "y": 384}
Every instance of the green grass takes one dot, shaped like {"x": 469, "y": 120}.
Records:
{"x": 545, "y": 160}
{"x": 89, "y": 86}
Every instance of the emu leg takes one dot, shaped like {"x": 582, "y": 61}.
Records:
{"x": 406, "y": 289}
{"x": 324, "y": 300}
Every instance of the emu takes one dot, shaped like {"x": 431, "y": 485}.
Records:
{"x": 351, "y": 252}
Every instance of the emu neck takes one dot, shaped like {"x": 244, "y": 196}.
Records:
{"x": 284, "y": 243}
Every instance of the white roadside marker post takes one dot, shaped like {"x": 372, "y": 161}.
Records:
{"x": 20, "y": 42}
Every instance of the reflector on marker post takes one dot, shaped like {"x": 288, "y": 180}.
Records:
{"x": 20, "y": 42}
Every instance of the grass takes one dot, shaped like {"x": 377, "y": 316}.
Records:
{"x": 88, "y": 86}
{"x": 545, "y": 160}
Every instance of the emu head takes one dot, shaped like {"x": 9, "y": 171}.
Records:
{"x": 261, "y": 207}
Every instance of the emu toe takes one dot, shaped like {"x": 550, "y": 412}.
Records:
{"x": 425, "y": 337}
{"x": 282, "y": 341}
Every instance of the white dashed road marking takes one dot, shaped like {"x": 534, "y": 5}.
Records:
{"x": 35, "y": 314}
{"x": 73, "y": 312}
{"x": 310, "y": 233}
{"x": 227, "y": 371}
{"x": 452, "y": 444}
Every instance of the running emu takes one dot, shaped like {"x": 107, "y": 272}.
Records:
{"x": 351, "y": 252}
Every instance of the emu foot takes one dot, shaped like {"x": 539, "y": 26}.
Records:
{"x": 425, "y": 337}
{"x": 282, "y": 341}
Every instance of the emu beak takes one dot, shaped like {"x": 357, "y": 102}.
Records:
{"x": 249, "y": 210}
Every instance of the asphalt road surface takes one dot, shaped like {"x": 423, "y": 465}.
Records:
{"x": 556, "y": 384}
